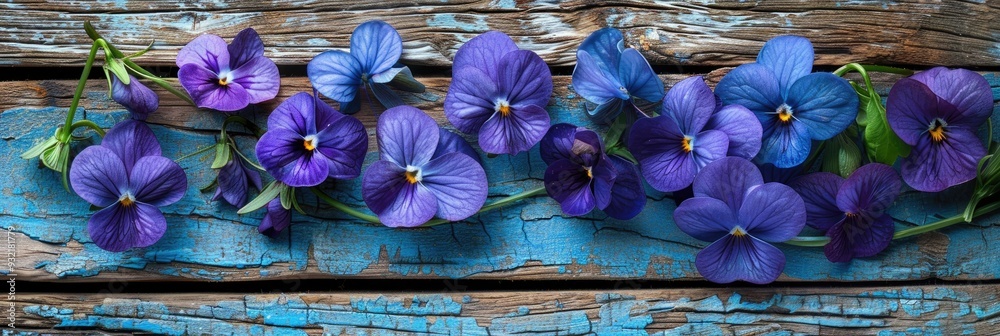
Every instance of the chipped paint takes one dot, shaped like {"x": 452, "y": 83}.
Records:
{"x": 466, "y": 23}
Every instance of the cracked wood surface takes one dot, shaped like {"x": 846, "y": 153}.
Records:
{"x": 528, "y": 240}
{"x": 704, "y": 32}
{"x": 944, "y": 310}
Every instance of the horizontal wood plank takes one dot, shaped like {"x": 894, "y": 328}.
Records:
{"x": 699, "y": 33}
{"x": 945, "y": 310}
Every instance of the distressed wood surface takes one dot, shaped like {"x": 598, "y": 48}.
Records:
{"x": 947, "y": 310}
{"x": 529, "y": 240}
{"x": 704, "y": 32}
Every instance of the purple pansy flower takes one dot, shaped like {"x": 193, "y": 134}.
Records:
{"x": 580, "y": 176}
{"x": 235, "y": 180}
{"x": 413, "y": 181}
{"x": 793, "y": 106}
{"x": 499, "y": 92}
{"x": 128, "y": 178}
{"x": 227, "y": 77}
{"x": 275, "y": 220}
{"x": 938, "y": 112}
{"x": 851, "y": 212}
{"x": 307, "y": 141}
{"x": 692, "y": 131}
{"x": 138, "y": 99}
{"x": 611, "y": 76}
{"x": 733, "y": 208}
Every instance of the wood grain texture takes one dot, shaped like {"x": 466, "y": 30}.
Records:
{"x": 529, "y": 240}
{"x": 947, "y": 310}
{"x": 703, "y": 33}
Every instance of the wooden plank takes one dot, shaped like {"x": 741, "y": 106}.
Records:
{"x": 703, "y": 33}
{"x": 530, "y": 240}
{"x": 945, "y": 310}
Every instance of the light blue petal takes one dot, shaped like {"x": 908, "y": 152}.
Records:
{"x": 751, "y": 85}
{"x": 784, "y": 145}
{"x": 593, "y": 83}
{"x": 377, "y": 46}
{"x": 824, "y": 102}
{"x": 638, "y": 77}
{"x": 789, "y": 57}
{"x": 335, "y": 74}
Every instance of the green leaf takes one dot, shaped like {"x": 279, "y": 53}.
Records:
{"x": 222, "y": 155}
{"x": 841, "y": 156}
{"x": 622, "y": 152}
{"x": 210, "y": 186}
{"x": 118, "y": 68}
{"x": 287, "y": 198}
{"x": 863, "y": 100}
{"x": 272, "y": 190}
{"x": 616, "y": 132}
{"x": 38, "y": 149}
{"x": 882, "y": 143}
{"x": 56, "y": 157}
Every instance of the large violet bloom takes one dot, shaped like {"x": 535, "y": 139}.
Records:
{"x": 138, "y": 99}
{"x": 794, "y": 106}
{"x": 938, "y": 112}
{"x": 227, "y": 77}
{"x": 500, "y": 93}
{"x": 414, "y": 181}
{"x": 733, "y": 208}
{"x": 275, "y": 220}
{"x": 307, "y": 141}
{"x": 851, "y": 212}
{"x": 128, "y": 177}
{"x": 580, "y": 176}
{"x": 692, "y": 131}
{"x": 235, "y": 180}
{"x": 611, "y": 76}
{"x": 373, "y": 61}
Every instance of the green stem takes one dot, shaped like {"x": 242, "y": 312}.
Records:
{"x": 344, "y": 207}
{"x": 245, "y": 123}
{"x": 67, "y": 129}
{"x": 138, "y": 70}
{"x": 88, "y": 124}
{"x": 202, "y": 150}
{"x": 874, "y": 68}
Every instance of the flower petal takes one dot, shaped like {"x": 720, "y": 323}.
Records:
{"x": 459, "y": 184}
{"x": 524, "y": 79}
{"x": 279, "y": 147}
{"x": 484, "y": 52}
{"x": 297, "y": 114}
{"x": 910, "y": 109}
{"x": 205, "y": 90}
{"x": 206, "y": 51}
{"x": 245, "y": 47}
{"x": 376, "y": 45}
{"x": 824, "y": 102}
{"x": 932, "y": 167}
{"x": 407, "y": 136}
{"x": 638, "y": 76}
{"x": 819, "y": 194}
{"x": 567, "y": 183}
{"x": 627, "y": 194}
{"x": 859, "y": 237}
{"x": 709, "y": 146}
{"x": 773, "y": 212}
{"x": 470, "y": 100}
{"x": 449, "y": 142}
{"x": 277, "y": 219}
{"x": 728, "y": 180}
{"x": 870, "y": 189}
{"x": 751, "y": 85}
{"x": 690, "y": 103}
{"x": 605, "y": 47}
{"x": 741, "y": 127}
{"x": 705, "y": 218}
{"x": 658, "y": 146}
{"x": 968, "y": 91}
{"x": 784, "y": 145}
{"x": 344, "y": 145}
{"x": 789, "y": 57}
{"x": 607, "y": 112}
{"x": 131, "y": 140}
{"x": 740, "y": 258}
{"x": 557, "y": 144}
{"x": 593, "y": 83}
{"x": 118, "y": 228}
{"x": 335, "y": 74}
{"x": 157, "y": 181}
{"x": 98, "y": 176}
{"x": 135, "y": 97}
{"x": 397, "y": 202}
{"x": 604, "y": 177}
{"x": 515, "y": 133}
{"x": 233, "y": 183}
{"x": 259, "y": 77}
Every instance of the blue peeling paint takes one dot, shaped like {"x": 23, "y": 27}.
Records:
{"x": 475, "y": 23}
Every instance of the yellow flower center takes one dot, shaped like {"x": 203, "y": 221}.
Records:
{"x": 936, "y": 130}
{"x": 785, "y": 113}
{"x": 590, "y": 173}
{"x": 503, "y": 107}
{"x": 309, "y": 143}
{"x": 686, "y": 144}
{"x": 126, "y": 200}
{"x": 412, "y": 174}
{"x": 223, "y": 81}
{"x": 738, "y": 232}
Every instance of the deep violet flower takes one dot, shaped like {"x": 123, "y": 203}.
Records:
{"x": 938, "y": 112}
{"x": 500, "y": 93}
{"x": 851, "y": 212}
{"x": 235, "y": 180}
{"x": 412, "y": 182}
{"x": 127, "y": 176}
{"x": 692, "y": 131}
{"x": 733, "y": 208}
{"x": 611, "y": 76}
{"x": 138, "y": 99}
{"x": 793, "y": 106}
{"x": 580, "y": 176}
{"x": 227, "y": 77}
{"x": 372, "y": 60}
{"x": 307, "y": 141}
{"x": 275, "y": 220}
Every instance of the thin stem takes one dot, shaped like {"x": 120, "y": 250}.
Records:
{"x": 89, "y": 124}
{"x": 344, "y": 207}
{"x": 138, "y": 70}
{"x": 499, "y": 203}
{"x": 875, "y": 68}
{"x": 199, "y": 151}
{"x": 67, "y": 129}
{"x": 808, "y": 241}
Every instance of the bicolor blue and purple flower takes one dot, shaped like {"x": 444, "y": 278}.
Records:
{"x": 227, "y": 77}
{"x": 611, "y": 76}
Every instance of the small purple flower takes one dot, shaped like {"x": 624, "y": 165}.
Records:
{"x": 135, "y": 97}
{"x": 235, "y": 180}
{"x": 580, "y": 176}
{"x": 612, "y": 76}
{"x": 227, "y": 78}
{"x": 733, "y": 208}
{"x": 851, "y": 212}
{"x": 307, "y": 141}
{"x": 128, "y": 178}
{"x": 793, "y": 106}
{"x": 692, "y": 131}
{"x": 413, "y": 181}
{"x": 938, "y": 112}
{"x": 499, "y": 92}
{"x": 275, "y": 220}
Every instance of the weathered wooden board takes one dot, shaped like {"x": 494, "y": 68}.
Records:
{"x": 530, "y": 240}
{"x": 704, "y": 32}
{"x": 948, "y": 310}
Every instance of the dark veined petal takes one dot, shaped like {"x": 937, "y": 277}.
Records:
{"x": 98, "y": 176}
{"x": 206, "y": 51}
{"x": 741, "y": 127}
{"x": 297, "y": 114}
{"x": 709, "y": 146}
{"x": 335, "y": 74}
{"x": 118, "y": 227}
{"x": 557, "y": 144}
{"x": 705, "y": 218}
{"x": 932, "y": 167}
{"x": 789, "y": 57}
{"x": 245, "y": 47}
{"x": 607, "y": 112}
{"x": 627, "y": 194}
{"x": 604, "y": 176}
{"x": 819, "y": 193}
{"x": 376, "y": 45}
{"x": 484, "y": 52}
{"x": 657, "y": 144}
{"x": 397, "y": 202}
{"x": 276, "y": 220}
{"x": 968, "y": 91}
{"x": 871, "y": 190}
{"x": 515, "y": 133}
{"x": 727, "y": 179}
{"x": 459, "y": 184}
{"x": 385, "y": 95}
{"x": 157, "y": 181}
{"x": 690, "y": 103}
{"x": 593, "y": 83}
{"x": 407, "y": 136}
{"x": 784, "y": 145}
{"x": 744, "y": 258}
{"x": 449, "y": 142}
{"x": 259, "y": 77}
{"x": 567, "y": 183}
{"x": 911, "y": 108}
{"x": 131, "y": 140}
{"x": 325, "y": 115}
{"x": 344, "y": 144}
{"x": 773, "y": 212}
{"x": 751, "y": 85}
{"x": 205, "y": 90}
{"x": 470, "y": 100}
{"x": 859, "y": 237}
{"x": 235, "y": 181}
{"x": 638, "y": 76}
{"x": 278, "y": 148}
{"x": 603, "y": 46}
{"x": 524, "y": 79}
{"x": 824, "y": 102}
{"x": 135, "y": 97}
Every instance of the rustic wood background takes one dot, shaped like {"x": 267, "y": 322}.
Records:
{"x": 584, "y": 275}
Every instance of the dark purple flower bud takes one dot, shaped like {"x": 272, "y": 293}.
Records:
{"x": 135, "y": 97}
{"x": 235, "y": 180}
{"x": 277, "y": 219}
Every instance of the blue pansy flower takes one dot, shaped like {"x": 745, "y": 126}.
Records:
{"x": 611, "y": 76}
